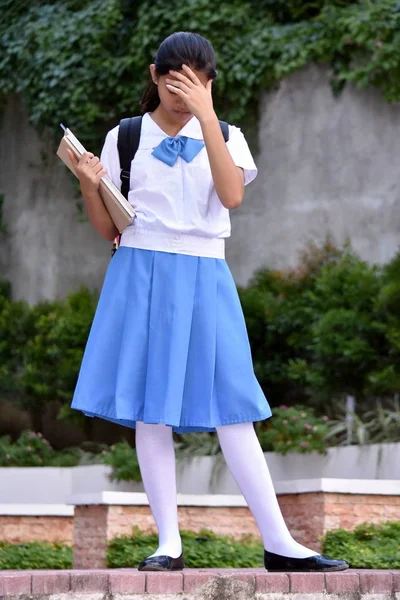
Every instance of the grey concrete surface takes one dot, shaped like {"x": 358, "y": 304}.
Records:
{"x": 376, "y": 463}
{"x": 326, "y": 165}
{"x": 47, "y": 252}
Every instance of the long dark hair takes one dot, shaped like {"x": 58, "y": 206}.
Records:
{"x": 180, "y": 48}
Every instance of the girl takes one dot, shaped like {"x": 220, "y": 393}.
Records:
{"x": 168, "y": 348}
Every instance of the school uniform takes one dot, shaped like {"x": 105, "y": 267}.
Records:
{"x": 168, "y": 342}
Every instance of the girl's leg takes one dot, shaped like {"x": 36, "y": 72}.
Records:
{"x": 246, "y": 461}
{"x": 156, "y": 456}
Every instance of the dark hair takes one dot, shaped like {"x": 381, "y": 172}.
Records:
{"x": 180, "y": 48}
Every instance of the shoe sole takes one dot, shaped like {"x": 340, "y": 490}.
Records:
{"x": 306, "y": 570}
{"x": 158, "y": 569}
{"x": 164, "y": 570}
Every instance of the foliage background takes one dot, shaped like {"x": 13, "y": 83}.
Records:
{"x": 368, "y": 546}
{"x": 85, "y": 63}
{"x": 327, "y": 329}
{"x": 318, "y": 333}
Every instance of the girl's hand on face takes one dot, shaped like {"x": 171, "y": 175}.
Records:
{"x": 89, "y": 170}
{"x": 196, "y": 96}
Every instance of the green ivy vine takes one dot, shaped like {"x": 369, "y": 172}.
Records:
{"x": 85, "y": 62}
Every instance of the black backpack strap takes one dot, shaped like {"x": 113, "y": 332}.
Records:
{"x": 128, "y": 143}
{"x": 225, "y": 130}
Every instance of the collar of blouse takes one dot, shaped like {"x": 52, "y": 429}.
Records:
{"x": 153, "y": 135}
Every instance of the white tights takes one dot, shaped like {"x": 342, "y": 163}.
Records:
{"x": 245, "y": 459}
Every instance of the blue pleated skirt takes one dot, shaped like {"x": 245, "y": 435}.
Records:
{"x": 168, "y": 344}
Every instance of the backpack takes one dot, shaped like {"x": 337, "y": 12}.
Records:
{"x": 128, "y": 143}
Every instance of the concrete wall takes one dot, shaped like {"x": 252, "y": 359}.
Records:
{"x": 325, "y": 165}
{"x": 205, "y": 475}
{"x": 47, "y": 252}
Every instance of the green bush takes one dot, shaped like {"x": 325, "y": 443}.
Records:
{"x": 280, "y": 311}
{"x": 386, "y": 377}
{"x": 369, "y": 546}
{"x": 201, "y": 550}
{"x": 16, "y": 327}
{"x": 32, "y": 450}
{"x": 327, "y": 329}
{"x": 37, "y": 374}
{"x": 293, "y": 429}
{"x": 53, "y": 354}
{"x": 346, "y": 341}
{"x": 35, "y": 555}
{"x": 324, "y": 330}
{"x": 41, "y": 349}
{"x": 123, "y": 460}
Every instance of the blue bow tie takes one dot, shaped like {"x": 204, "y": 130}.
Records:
{"x": 170, "y": 147}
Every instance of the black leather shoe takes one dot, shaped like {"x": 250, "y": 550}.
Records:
{"x": 162, "y": 563}
{"x": 319, "y": 562}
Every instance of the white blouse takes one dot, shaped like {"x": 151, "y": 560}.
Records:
{"x": 178, "y": 209}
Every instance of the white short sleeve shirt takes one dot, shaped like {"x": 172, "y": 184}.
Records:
{"x": 177, "y": 208}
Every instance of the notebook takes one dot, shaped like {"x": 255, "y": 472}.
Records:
{"x": 120, "y": 210}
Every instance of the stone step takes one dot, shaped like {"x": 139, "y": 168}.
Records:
{"x": 191, "y": 584}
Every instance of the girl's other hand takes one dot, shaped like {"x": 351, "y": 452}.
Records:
{"x": 88, "y": 169}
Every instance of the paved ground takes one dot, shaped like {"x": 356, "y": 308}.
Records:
{"x": 209, "y": 584}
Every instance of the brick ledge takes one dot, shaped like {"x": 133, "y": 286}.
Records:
{"x": 388, "y": 487}
{"x": 219, "y": 583}
{"x": 36, "y": 510}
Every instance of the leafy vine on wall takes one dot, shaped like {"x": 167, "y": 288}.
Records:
{"x": 85, "y": 62}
